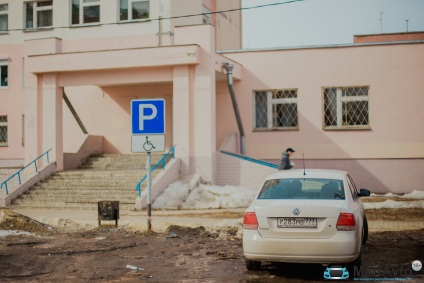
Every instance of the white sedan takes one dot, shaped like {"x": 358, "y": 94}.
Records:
{"x": 306, "y": 216}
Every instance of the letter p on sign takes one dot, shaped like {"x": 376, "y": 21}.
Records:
{"x": 148, "y": 116}
{"x": 144, "y": 116}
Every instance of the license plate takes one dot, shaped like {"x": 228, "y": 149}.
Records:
{"x": 296, "y": 222}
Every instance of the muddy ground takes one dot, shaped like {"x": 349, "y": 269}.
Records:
{"x": 182, "y": 254}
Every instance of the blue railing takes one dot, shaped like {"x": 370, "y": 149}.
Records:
{"x": 19, "y": 172}
{"x": 257, "y": 161}
{"x": 160, "y": 162}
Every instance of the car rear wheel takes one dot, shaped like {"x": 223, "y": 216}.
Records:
{"x": 365, "y": 231}
{"x": 253, "y": 265}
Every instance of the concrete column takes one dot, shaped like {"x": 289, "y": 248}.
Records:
{"x": 43, "y": 105}
{"x": 31, "y": 138}
{"x": 204, "y": 120}
{"x": 52, "y": 118}
{"x": 181, "y": 118}
{"x": 203, "y": 102}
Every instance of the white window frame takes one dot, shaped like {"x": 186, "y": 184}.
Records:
{"x": 340, "y": 99}
{"x": 5, "y": 12}
{"x": 4, "y": 124}
{"x": 130, "y": 10}
{"x": 35, "y": 11}
{"x": 4, "y": 63}
{"x": 83, "y": 5}
{"x": 270, "y": 102}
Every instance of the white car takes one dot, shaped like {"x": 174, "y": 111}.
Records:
{"x": 306, "y": 216}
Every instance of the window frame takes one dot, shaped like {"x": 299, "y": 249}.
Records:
{"x": 4, "y": 124}
{"x": 35, "y": 12}
{"x": 4, "y": 62}
{"x": 130, "y": 17}
{"x": 340, "y": 99}
{"x": 81, "y": 7}
{"x": 5, "y": 13}
{"x": 270, "y": 104}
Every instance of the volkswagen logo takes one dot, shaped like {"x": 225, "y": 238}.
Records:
{"x": 296, "y": 211}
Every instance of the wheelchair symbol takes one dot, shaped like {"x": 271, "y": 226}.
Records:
{"x": 148, "y": 146}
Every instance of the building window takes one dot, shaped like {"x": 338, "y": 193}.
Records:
{"x": 206, "y": 15}
{"x": 134, "y": 10}
{"x": 3, "y": 130}
{"x": 85, "y": 11}
{"x": 346, "y": 107}
{"x": 275, "y": 109}
{"x": 4, "y": 17}
{"x": 4, "y": 73}
{"x": 38, "y": 14}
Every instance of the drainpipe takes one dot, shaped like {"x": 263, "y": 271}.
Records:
{"x": 229, "y": 68}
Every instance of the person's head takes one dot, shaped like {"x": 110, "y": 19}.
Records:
{"x": 290, "y": 151}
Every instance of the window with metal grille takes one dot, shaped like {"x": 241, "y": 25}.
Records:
{"x": 38, "y": 14}
{"x": 85, "y": 11}
{"x": 275, "y": 109}
{"x": 134, "y": 10}
{"x": 4, "y": 18}
{"x": 4, "y": 73}
{"x": 3, "y": 130}
{"x": 346, "y": 108}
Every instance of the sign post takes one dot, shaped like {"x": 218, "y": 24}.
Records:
{"x": 148, "y": 129}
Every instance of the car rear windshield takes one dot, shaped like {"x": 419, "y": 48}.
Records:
{"x": 302, "y": 189}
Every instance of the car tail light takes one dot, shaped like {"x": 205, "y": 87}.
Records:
{"x": 250, "y": 221}
{"x": 346, "y": 222}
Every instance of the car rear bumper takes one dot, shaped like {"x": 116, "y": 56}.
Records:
{"x": 342, "y": 248}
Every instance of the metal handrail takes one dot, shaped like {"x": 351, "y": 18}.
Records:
{"x": 160, "y": 162}
{"x": 257, "y": 161}
{"x": 22, "y": 169}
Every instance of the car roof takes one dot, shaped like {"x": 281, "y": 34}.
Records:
{"x": 308, "y": 173}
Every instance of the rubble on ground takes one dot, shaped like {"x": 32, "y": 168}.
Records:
{"x": 10, "y": 220}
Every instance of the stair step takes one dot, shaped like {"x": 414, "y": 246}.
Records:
{"x": 82, "y": 206}
{"x": 105, "y": 177}
{"x": 80, "y": 199}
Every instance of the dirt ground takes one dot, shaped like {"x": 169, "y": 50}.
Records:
{"x": 181, "y": 254}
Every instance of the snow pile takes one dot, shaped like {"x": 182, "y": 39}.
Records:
{"x": 414, "y": 194}
{"x": 394, "y": 204}
{"x": 178, "y": 196}
{"x": 418, "y": 201}
{"x": 4, "y": 233}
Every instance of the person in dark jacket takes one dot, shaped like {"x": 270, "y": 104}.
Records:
{"x": 285, "y": 163}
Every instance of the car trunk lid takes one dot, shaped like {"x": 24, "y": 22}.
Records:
{"x": 294, "y": 219}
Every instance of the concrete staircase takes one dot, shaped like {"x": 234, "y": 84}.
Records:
{"x": 107, "y": 177}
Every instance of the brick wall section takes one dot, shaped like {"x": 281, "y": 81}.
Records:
{"x": 405, "y": 36}
{"x": 238, "y": 172}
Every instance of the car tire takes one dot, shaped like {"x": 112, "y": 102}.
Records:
{"x": 365, "y": 231}
{"x": 253, "y": 265}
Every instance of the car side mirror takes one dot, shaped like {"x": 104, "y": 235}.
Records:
{"x": 364, "y": 193}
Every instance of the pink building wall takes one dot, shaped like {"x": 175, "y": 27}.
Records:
{"x": 12, "y": 104}
{"x": 388, "y": 157}
{"x": 102, "y": 68}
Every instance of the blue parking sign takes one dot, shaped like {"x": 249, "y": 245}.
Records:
{"x": 148, "y": 116}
